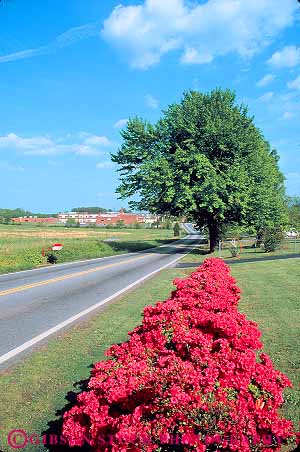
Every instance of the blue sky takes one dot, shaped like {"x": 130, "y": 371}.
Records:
{"x": 73, "y": 71}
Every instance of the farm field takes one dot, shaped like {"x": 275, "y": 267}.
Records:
{"x": 37, "y": 391}
{"x": 21, "y": 246}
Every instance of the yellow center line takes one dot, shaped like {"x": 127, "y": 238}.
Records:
{"x": 65, "y": 277}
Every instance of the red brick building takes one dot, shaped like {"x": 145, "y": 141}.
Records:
{"x": 49, "y": 220}
{"x": 105, "y": 219}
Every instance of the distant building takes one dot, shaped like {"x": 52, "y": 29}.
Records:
{"x": 48, "y": 220}
{"x": 113, "y": 218}
{"x": 101, "y": 219}
{"x": 151, "y": 219}
{"x": 83, "y": 218}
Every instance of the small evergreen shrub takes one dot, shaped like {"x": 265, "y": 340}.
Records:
{"x": 234, "y": 248}
{"x": 176, "y": 230}
{"x": 52, "y": 258}
{"x": 273, "y": 238}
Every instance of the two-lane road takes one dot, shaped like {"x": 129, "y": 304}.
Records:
{"x": 36, "y": 304}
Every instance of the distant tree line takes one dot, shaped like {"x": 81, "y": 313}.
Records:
{"x": 91, "y": 209}
{"x": 96, "y": 210}
{"x": 7, "y": 214}
{"x": 294, "y": 212}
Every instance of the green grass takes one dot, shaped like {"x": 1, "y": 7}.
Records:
{"x": 21, "y": 246}
{"x": 33, "y": 393}
{"x": 288, "y": 247}
{"x": 271, "y": 297}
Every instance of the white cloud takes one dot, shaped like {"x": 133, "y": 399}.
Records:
{"x": 106, "y": 164}
{"x": 281, "y": 106}
{"x": 288, "y": 115}
{"x": 266, "y": 97}
{"x": 151, "y": 101}
{"x": 266, "y": 80}
{"x": 288, "y": 105}
{"x": 65, "y": 39}
{"x": 288, "y": 57}
{"x": 193, "y": 56}
{"x": 121, "y": 123}
{"x": 86, "y": 150}
{"x": 199, "y": 31}
{"x": 95, "y": 140}
{"x": 44, "y": 146}
{"x": 13, "y": 140}
{"x": 294, "y": 84}
{"x": 22, "y": 55}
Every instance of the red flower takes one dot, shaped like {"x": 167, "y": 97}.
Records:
{"x": 188, "y": 376}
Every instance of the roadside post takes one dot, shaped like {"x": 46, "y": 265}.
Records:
{"x": 54, "y": 247}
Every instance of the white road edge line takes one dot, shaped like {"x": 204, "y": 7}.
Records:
{"x": 35, "y": 340}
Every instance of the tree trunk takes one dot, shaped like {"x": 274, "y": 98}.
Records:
{"x": 213, "y": 236}
{"x": 259, "y": 239}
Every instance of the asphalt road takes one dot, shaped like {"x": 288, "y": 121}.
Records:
{"x": 37, "y": 304}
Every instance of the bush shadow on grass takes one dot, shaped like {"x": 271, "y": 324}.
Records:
{"x": 55, "y": 426}
{"x": 201, "y": 251}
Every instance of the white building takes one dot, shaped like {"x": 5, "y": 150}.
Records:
{"x": 78, "y": 217}
{"x": 151, "y": 219}
{"x": 86, "y": 218}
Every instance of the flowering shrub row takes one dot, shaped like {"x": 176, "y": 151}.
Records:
{"x": 190, "y": 374}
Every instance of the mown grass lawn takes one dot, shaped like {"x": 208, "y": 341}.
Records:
{"x": 21, "y": 246}
{"x": 289, "y": 248}
{"x": 33, "y": 394}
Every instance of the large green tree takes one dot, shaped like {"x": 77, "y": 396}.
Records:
{"x": 206, "y": 159}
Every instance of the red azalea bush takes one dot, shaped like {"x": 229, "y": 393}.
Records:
{"x": 187, "y": 380}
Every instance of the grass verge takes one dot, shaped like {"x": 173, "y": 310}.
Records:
{"x": 33, "y": 394}
{"x": 21, "y": 246}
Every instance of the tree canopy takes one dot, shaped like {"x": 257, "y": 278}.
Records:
{"x": 206, "y": 159}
